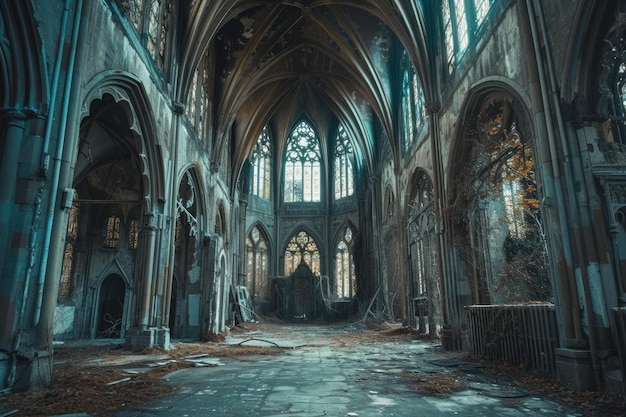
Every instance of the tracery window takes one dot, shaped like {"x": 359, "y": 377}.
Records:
{"x": 112, "y": 232}
{"x": 344, "y": 175}
{"x": 424, "y": 271}
{"x": 257, "y": 263}
{"x": 261, "y": 162}
{"x": 345, "y": 274}
{"x": 151, "y": 18}
{"x": 303, "y": 173}
{"x": 302, "y": 248}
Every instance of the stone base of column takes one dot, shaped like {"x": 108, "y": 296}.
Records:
{"x": 574, "y": 369}
{"x": 142, "y": 338}
{"x": 30, "y": 373}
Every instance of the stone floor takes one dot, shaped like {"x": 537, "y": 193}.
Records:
{"x": 323, "y": 371}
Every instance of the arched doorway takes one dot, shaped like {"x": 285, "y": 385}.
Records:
{"x": 111, "y": 307}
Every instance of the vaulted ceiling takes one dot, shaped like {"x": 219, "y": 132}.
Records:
{"x": 276, "y": 61}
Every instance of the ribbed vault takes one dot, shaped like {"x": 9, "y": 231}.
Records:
{"x": 275, "y": 61}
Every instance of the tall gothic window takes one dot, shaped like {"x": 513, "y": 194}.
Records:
{"x": 303, "y": 175}
{"x": 198, "y": 100}
{"x": 257, "y": 264}
{"x": 345, "y": 274}
{"x": 151, "y": 18}
{"x": 413, "y": 104}
{"x": 344, "y": 175}
{"x": 261, "y": 161}
{"x": 133, "y": 234}
{"x": 302, "y": 248}
{"x": 68, "y": 257}
{"x": 461, "y": 20}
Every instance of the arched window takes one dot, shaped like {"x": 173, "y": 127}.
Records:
{"x": 344, "y": 176}
{"x": 502, "y": 209}
{"x": 257, "y": 264}
{"x": 112, "y": 232}
{"x": 302, "y": 248}
{"x": 261, "y": 161}
{"x": 345, "y": 274}
{"x": 151, "y": 18}
{"x": 303, "y": 173}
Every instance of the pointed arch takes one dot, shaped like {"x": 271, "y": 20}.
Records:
{"x": 495, "y": 206}
{"x": 22, "y": 79}
{"x": 128, "y": 91}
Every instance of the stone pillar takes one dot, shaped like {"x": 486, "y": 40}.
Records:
{"x": 145, "y": 332}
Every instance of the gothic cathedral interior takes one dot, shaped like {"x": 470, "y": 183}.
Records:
{"x": 170, "y": 168}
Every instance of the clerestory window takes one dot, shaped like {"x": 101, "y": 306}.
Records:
{"x": 198, "y": 99}
{"x": 414, "y": 114}
{"x": 261, "y": 162}
{"x": 344, "y": 175}
{"x": 151, "y": 19}
{"x": 303, "y": 166}
{"x": 461, "y": 20}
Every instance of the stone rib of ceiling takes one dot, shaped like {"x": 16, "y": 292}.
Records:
{"x": 279, "y": 60}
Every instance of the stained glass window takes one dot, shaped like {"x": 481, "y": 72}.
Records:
{"x": 112, "y": 233}
{"x": 302, "y": 248}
